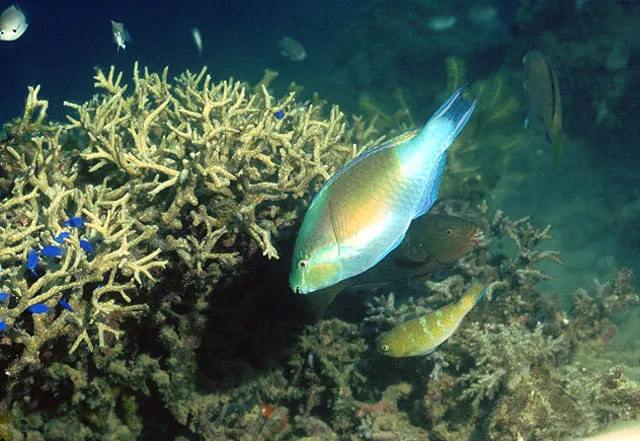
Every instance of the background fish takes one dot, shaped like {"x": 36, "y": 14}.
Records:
{"x": 364, "y": 210}
{"x": 439, "y": 237}
{"x": 120, "y": 35}
{"x": 197, "y": 39}
{"x": 13, "y": 24}
{"x": 292, "y": 49}
{"x": 422, "y": 335}
{"x": 541, "y": 87}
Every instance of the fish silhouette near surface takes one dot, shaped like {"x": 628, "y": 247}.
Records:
{"x": 543, "y": 96}
{"x": 364, "y": 210}
{"x": 197, "y": 39}
{"x": 292, "y": 49}
{"x": 120, "y": 34}
{"x": 422, "y": 335}
{"x": 13, "y": 24}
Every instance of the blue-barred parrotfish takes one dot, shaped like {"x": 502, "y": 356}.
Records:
{"x": 422, "y": 335}
{"x": 32, "y": 261}
{"x": 431, "y": 242}
{"x": 75, "y": 222}
{"x": 541, "y": 87}
{"x": 363, "y": 211}
{"x": 4, "y": 296}
{"x": 60, "y": 238}
{"x": 51, "y": 251}
{"x": 86, "y": 246}
{"x": 38, "y": 308}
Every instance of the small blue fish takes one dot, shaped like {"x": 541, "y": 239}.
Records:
{"x": 60, "y": 238}
{"x": 65, "y": 305}
{"x": 51, "y": 251}
{"x": 86, "y": 246}
{"x": 32, "y": 261}
{"x": 75, "y": 222}
{"x": 279, "y": 114}
{"x": 38, "y": 308}
{"x": 4, "y": 296}
{"x": 3, "y": 325}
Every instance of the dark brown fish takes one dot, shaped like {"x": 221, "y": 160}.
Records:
{"x": 439, "y": 237}
{"x": 541, "y": 87}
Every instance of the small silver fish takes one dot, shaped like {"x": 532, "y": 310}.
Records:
{"x": 441, "y": 23}
{"x": 197, "y": 39}
{"x": 13, "y": 23}
{"x": 292, "y": 49}
{"x": 120, "y": 35}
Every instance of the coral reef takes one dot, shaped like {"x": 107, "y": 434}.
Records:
{"x": 160, "y": 198}
{"x": 214, "y": 150}
{"x": 170, "y": 183}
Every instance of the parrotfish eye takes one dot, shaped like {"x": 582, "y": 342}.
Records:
{"x": 302, "y": 264}
{"x": 384, "y": 348}
{"x": 449, "y": 232}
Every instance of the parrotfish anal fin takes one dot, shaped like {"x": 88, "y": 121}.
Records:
{"x": 431, "y": 192}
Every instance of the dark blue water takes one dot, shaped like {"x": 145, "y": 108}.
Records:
{"x": 66, "y": 39}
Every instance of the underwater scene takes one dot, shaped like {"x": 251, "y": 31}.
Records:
{"x": 388, "y": 220}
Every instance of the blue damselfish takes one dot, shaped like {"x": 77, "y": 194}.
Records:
{"x": 364, "y": 210}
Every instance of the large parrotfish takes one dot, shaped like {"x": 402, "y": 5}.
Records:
{"x": 363, "y": 211}
{"x": 422, "y": 335}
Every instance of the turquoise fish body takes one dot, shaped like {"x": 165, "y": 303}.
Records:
{"x": 363, "y": 212}
{"x": 422, "y": 335}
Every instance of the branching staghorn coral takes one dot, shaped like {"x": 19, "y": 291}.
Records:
{"x": 210, "y": 158}
{"x": 97, "y": 283}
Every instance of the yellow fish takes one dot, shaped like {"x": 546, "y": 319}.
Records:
{"x": 541, "y": 87}
{"x": 422, "y": 335}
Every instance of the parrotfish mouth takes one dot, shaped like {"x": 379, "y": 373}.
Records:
{"x": 477, "y": 237}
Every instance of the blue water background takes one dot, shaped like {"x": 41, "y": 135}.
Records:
{"x": 584, "y": 201}
{"x": 66, "y": 39}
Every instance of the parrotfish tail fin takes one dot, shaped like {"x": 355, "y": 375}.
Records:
{"x": 449, "y": 120}
{"x": 558, "y": 141}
